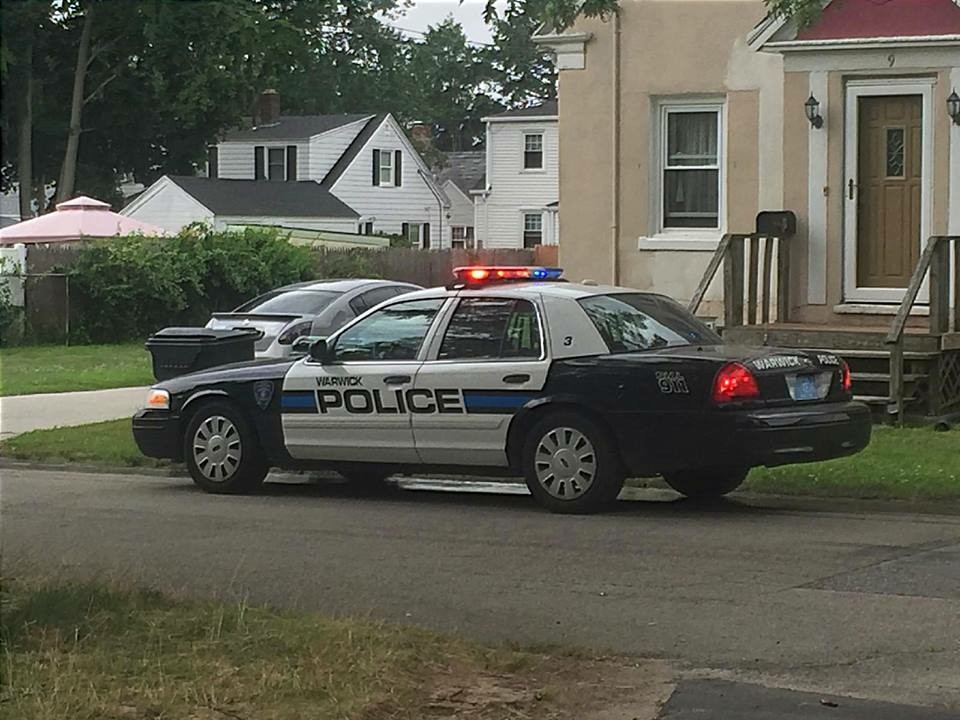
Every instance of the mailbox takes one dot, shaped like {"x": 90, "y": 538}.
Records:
{"x": 779, "y": 223}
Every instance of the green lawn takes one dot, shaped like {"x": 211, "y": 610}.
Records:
{"x": 94, "y": 650}
{"x": 906, "y": 463}
{"x": 58, "y": 368}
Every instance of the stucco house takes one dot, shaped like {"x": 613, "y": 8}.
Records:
{"x": 516, "y": 205}
{"x": 351, "y": 173}
{"x": 681, "y": 120}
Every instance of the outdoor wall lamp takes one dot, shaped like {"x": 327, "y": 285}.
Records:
{"x": 953, "y": 107}
{"x": 812, "y": 109}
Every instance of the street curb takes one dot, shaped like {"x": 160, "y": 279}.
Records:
{"x": 806, "y": 503}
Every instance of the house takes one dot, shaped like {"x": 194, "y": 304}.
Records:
{"x": 681, "y": 120}
{"x": 516, "y": 205}
{"x": 345, "y": 173}
{"x": 463, "y": 172}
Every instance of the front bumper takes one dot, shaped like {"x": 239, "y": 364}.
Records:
{"x": 780, "y": 436}
{"x": 157, "y": 433}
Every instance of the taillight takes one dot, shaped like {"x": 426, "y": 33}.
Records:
{"x": 293, "y": 332}
{"x": 846, "y": 378}
{"x": 734, "y": 382}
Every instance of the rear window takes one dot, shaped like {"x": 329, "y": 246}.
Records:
{"x": 629, "y": 322}
{"x": 291, "y": 302}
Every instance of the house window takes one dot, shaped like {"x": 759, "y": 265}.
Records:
{"x": 276, "y": 164}
{"x": 461, "y": 236}
{"x": 690, "y": 183}
{"x": 533, "y": 151}
{"x": 532, "y": 229}
{"x": 386, "y": 167}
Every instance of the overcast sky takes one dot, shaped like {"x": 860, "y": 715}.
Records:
{"x": 425, "y": 13}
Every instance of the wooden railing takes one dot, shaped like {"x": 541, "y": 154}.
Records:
{"x": 749, "y": 272}
{"x": 944, "y": 294}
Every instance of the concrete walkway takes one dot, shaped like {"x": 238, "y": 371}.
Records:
{"x": 20, "y": 413}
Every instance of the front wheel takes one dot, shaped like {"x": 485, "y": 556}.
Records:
{"x": 570, "y": 464}
{"x": 221, "y": 451}
{"x": 706, "y": 484}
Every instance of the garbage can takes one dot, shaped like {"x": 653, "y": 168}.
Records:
{"x": 181, "y": 350}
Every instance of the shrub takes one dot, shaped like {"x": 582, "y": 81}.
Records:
{"x": 345, "y": 263}
{"x": 129, "y": 287}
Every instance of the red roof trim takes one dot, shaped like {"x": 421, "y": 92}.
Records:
{"x": 843, "y": 19}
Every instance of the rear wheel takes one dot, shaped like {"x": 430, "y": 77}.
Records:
{"x": 706, "y": 484}
{"x": 221, "y": 451}
{"x": 570, "y": 464}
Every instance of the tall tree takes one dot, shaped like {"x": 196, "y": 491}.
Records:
{"x": 557, "y": 15}
{"x": 523, "y": 72}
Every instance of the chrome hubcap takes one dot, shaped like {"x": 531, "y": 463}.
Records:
{"x": 216, "y": 448}
{"x": 565, "y": 463}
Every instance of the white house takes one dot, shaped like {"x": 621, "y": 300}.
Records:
{"x": 517, "y": 205}
{"x": 464, "y": 172}
{"x": 345, "y": 173}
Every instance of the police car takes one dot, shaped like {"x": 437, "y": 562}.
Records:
{"x": 511, "y": 370}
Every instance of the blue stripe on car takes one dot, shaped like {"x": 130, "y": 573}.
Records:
{"x": 486, "y": 401}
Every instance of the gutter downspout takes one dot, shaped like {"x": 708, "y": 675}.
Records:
{"x": 436, "y": 194}
{"x": 615, "y": 150}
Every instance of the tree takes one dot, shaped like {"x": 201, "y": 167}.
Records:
{"x": 556, "y": 15}
{"x": 523, "y": 71}
{"x": 803, "y": 12}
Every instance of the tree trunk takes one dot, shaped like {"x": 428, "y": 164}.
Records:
{"x": 25, "y": 141}
{"x": 68, "y": 171}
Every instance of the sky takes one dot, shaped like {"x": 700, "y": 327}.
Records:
{"x": 425, "y": 13}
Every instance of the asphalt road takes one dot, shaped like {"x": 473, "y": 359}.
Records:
{"x": 855, "y": 605}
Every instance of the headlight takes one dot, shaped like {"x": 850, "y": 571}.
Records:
{"x": 158, "y": 399}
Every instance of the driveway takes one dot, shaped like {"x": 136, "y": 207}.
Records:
{"x": 772, "y": 602}
{"x": 20, "y": 413}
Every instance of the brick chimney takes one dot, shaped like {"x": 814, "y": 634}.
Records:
{"x": 421, "y": 131}
{"x": 267, "y": 111}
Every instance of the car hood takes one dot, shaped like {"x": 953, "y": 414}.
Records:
{"x": 267, "y": 369}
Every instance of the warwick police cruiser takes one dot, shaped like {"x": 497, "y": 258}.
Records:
{"x": 511, "y": 370}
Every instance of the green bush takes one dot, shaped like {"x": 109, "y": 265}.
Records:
{"x": 346, "y": 263}
{"x": 129, "y": 287}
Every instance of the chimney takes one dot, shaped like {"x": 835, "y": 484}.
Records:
{"x": 421, "y": 131}
{"x": 268, "y": 108}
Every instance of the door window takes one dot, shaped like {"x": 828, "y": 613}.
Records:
{"x": 393, "y": 333}
{"x": 490, "y": 329}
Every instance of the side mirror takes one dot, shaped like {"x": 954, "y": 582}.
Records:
{"x": 320, "y": 351}
{"x": 302, "y": 345}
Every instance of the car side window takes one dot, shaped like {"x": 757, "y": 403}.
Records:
{"x": 491, "y": 329}
{"x": 393, "y": 333}
{"x": 372, "y": 298}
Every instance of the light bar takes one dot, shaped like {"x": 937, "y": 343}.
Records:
{"x": 478, "y": 274}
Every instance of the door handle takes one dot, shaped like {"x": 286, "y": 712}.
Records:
{"x": 396, "y": 380}
{"x": 518, "y": 379}
{"x": 850, "y": 187}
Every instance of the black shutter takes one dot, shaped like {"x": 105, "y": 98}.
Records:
{"x": 258, "y": 173}
{"x": 212, "y": 162}
{"x": 291, "y": 163}
{"x": 426, "y": 236}
{"x": 405, "y": 230}
{"x": 398, "y": 168}
{"x": 376, "y": 167}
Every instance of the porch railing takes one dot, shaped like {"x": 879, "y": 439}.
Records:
{"x": 944, "y": 291}
{"x": 756, "y": 276}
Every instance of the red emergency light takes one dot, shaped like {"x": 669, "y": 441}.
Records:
{"x": 479, "y": 274}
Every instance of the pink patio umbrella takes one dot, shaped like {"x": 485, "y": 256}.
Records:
{"x": 82, "y": 218}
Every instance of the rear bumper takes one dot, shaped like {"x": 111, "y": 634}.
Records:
{"x": 780, "y": 436}
{"x": 157, "y": 434}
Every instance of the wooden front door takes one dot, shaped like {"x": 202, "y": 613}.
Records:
{"x": 889, "y": 193}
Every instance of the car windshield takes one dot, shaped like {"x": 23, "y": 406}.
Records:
{"x": 290, "y": 302}
{"x": 637, "y": 321}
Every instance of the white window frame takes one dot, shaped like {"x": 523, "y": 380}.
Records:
{"x": 393, "y": 179}
{"x": 266, "y": 162}
{"x": 539, "y": 212}
{"x": 543, "y": 155}
{"x": 673, "y": 238}
{"x": 467, "y": 240}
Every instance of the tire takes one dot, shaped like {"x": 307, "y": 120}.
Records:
{"x": 222, "y": 452}
{"x": 570, "y": 464}
{"x": 708, "y": 483}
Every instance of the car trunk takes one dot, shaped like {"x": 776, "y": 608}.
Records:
{"x": 268, "y": 325}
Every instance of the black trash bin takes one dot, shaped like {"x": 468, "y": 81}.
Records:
{"x": 181, "y": 350}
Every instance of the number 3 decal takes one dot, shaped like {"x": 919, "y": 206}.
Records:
{"x": 568, "y": 340}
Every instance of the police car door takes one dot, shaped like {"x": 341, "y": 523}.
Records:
{"x": 356, "y": 405}
{"x": 487, "y": 362}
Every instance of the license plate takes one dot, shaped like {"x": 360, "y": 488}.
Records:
{"x": 806, "y": 388}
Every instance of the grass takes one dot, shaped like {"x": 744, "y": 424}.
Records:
{"x": 91, "y": 650}
{"x": 58, "y": 368}
{"x": 899, "y": 464}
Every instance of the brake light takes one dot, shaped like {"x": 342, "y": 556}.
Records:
{"x": 734, "y": 382}
{"x": 846, "y": 378}
{"x": 478, "y": 274}
{"x": 294, "y": 331}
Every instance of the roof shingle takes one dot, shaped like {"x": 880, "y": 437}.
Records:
{"x": 293, "y": 127}
{"x": 264, "y": 198}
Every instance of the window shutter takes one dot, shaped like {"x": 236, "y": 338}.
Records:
{"x": 258, "y": 173}
{"x": 426, "y": 235}
{"x": 291, "y": 163}
{"x": 405, "y": 230}
{"x": 212, "y": 162}
{"x": 376, "y": 167}
{"x": 397, "y": 168}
